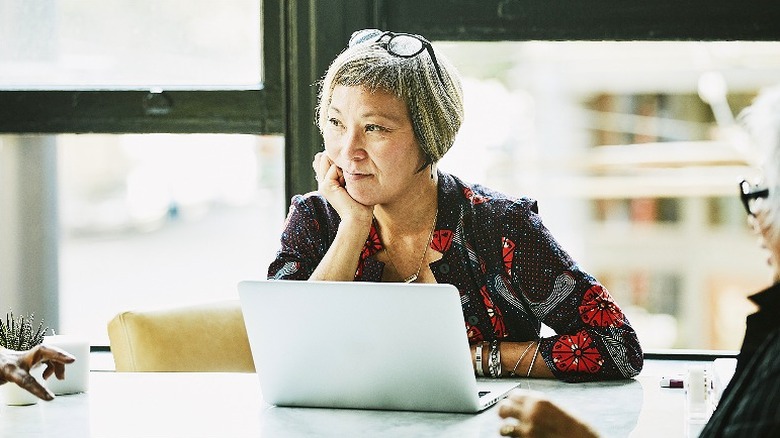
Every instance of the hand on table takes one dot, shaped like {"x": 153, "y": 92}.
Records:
{"x": 530, "y": 414}
{"x": 15, "y": 367}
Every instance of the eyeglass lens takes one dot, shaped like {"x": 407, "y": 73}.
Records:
{"x": 361, "y": 36}
{"x": 749, "y": 193}
{"x": 405, "y": 46}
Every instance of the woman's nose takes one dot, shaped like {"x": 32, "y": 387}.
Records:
{"x": 353, "y": 146}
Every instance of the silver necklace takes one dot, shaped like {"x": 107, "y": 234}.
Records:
{"x": 414, "y": 276}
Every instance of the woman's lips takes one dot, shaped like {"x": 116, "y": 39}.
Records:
{"x": 356, "y": 176}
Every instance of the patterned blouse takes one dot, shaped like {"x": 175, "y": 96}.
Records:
{"x": 511, "y": 273}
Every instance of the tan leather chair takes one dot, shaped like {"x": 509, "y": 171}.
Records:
{"x": 205, "y": 337}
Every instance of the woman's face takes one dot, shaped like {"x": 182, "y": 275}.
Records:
{"x": 369, "y": 135}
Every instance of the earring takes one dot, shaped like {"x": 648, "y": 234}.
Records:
{"x": 431, "y": 170}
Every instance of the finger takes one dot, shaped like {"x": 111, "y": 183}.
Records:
{"x": 46, "y": 353}
{"x": 57, "y": 354}
{"x": 59, "y": 371}
{"x": 315, "y": 164}
{"x": 511, "y": 409}
{"x": 333, "y": 177}
{"x": 26, "y": 381}
{"x": 517, "y": 430}
{"x": 323, "y": 165}
{"x": 508, "y": 430}
{"x": 55, "y": 368}
{"x": 339, "y": 176}
{"x": 48, "y": 371}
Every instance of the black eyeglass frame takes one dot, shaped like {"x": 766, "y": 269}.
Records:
{"x": 749, "y": 192}
{"x": 426, "y": 45}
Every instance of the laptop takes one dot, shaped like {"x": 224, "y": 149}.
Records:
{"x": 361, "y": 345}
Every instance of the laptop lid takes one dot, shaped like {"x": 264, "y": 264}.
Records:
{"x": 362, "y": 345}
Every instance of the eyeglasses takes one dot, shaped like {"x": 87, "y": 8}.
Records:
{"x": 748, "y": 193}
{"x": 402, "y": 45}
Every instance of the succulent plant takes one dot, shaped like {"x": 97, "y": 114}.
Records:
{"x": 18, "y": 333}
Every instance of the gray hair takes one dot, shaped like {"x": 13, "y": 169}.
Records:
{"x": 762, "y": 121}
{"x": 435, "y": 106}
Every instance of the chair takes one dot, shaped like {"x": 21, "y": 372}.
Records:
{"x": 204, "y": 337}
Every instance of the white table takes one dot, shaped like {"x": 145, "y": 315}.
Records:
{"x": 230, "y": 405}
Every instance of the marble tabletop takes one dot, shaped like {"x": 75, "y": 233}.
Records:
{"x": 230, "y": 405}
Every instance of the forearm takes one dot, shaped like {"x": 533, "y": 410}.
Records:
{"x": 341, "y": 260}
{"x": 518, "y": 359}
{"x": 523, "y": 359}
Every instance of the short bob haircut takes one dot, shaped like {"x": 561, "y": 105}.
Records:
{"x": 435, "y": 106}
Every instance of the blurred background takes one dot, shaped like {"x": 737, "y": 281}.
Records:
{"x": 631, "y": 149}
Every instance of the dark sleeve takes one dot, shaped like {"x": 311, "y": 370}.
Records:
{"x": 306, "y": 237}
{"x": 594, "y": 340}
{"x": 752, "y": 406}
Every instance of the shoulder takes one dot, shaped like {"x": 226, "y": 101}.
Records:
{"x": 484, "y": 201}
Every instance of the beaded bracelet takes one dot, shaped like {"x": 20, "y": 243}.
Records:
{"x": 536, "y": 353}
{"x": 495, "y": 360}
{"x": 513, "y": 373}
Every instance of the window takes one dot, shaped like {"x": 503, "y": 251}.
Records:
{"x": 633, "y": 171}
{"x": 106, "y": 68}
{"x": 190, "y": 168}
{"x": 157, "y": 220}
{"x": 50, "y": 44}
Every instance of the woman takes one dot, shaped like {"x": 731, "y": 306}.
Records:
{"x": 15, "y": 367}
{"x": 389, "y": 109}
{"x": 750, "y": 405}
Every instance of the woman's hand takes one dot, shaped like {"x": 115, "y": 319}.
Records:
{"x": 532, "y": 415}
{"x": 15, "y": 367}
{"x": 331, "y": 184}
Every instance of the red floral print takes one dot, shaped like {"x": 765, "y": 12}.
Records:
{"x": 576, "y": 353}
{"x": 508, "y": 254}
{"x": 372, "y": 246}
{"x": 473, "y": 197}
{"x": 496, "y": 317}
{"x": 442, "y": 240}
{"x": 598, "y": 309}
{"x": 474, "y": 334}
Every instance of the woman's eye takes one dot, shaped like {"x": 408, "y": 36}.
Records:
{"x": 372, "y": 128}
{"x": 334, "y": 122}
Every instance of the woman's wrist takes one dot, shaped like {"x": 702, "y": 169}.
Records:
{"x": 356, "y": 222}
{"x": 523, "y": 359}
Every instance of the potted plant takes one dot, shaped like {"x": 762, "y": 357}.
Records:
{"x": 19, "y": 334}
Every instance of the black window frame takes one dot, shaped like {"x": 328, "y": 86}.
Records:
{"x": 300, "y": 38}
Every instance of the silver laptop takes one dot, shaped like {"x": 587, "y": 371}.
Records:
{"x": 363, "y": 345}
